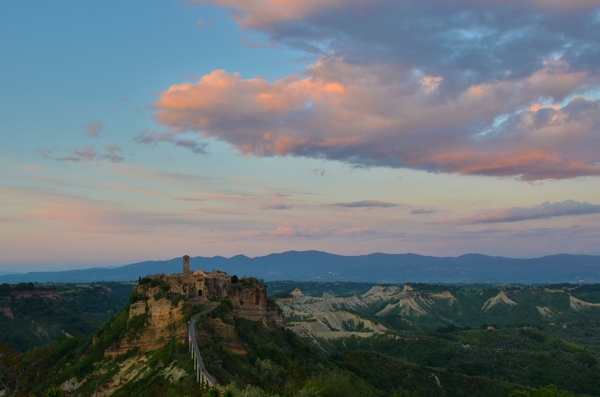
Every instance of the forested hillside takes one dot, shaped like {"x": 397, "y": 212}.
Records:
{"x": 532, "y": 336}
{"x": 432, "y": 340}
{"x": 34, "y": 314}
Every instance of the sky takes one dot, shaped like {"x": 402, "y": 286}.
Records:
{"x": 138, "y": 130}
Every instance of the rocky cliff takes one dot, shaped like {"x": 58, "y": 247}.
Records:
{"x": 156, "y": 316}
{"x": 151, "y": 323}
{"x": 251, "y": 303}
{"x": 226, "y": 332}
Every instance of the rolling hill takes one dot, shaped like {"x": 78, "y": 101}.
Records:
{"x": 375, "y": 268}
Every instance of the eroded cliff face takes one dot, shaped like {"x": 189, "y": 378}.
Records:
{"x": 151, "y": 324}
{"x": 153, "y": 319}
{"x": 225, "y": 331}
{"x": 251, "y": 304}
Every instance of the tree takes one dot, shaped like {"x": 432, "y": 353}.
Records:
{"x": 54, "y": 391}
{"x": 234, "y": 279}
{"x": 20, "y": 373}
{"x": 213, "y": 393}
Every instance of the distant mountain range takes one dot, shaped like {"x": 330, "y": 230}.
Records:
{"x": 376, "y": 268}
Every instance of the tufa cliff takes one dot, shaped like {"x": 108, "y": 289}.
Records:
{"x": 160, "y": 304}
{"x": 152, "y": 320}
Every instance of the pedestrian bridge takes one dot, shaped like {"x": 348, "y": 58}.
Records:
{"x": 202, "y": 375}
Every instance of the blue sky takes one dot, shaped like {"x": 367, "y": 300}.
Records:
{"x": 145, "y": 131}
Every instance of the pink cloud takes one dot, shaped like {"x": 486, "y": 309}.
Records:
{"x": 266, "y": 15}
{"x": 86, "y": 153}
{"x": 353, "y": 114}
{"x": 93, "y": 130}
{"x": 112, "y": 153}
{"x": 254, "y": 13}
{"x": 419, "y": 84}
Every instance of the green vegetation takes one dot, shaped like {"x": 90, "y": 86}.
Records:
{"x": 549, "y": 391}
{"x": 43, "y": 312}
{"x": 537, "y": 340}
{"x": 447, "y": 352}
{"x": 465, "y": 308}
{"x": 5, "y": 288}
{"x": 516, "y": 355}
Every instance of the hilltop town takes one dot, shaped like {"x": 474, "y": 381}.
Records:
{"x": 159, "y": 301}
{"x": 248, "y": 294}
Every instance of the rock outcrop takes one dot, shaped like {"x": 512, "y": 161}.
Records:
{"x": 500, "y": 298}
{"x": 547, "y": 312}
{"x": 251, "y": 304}
{"x": 578, "y": 304}
{"x": 153, "y": 319}
{"x": 227, "y": 333}
{"x": 151, "y": 324}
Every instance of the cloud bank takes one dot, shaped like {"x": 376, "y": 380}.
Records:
{"x": 494, "y": 88}
{"x": 366, "y": 203}
{"x": 293, "y": 232}
{"x": 542, "y": 211}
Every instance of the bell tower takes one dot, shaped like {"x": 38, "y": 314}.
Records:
{"x": 186, "y": 265}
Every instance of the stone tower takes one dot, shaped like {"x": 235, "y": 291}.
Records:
{"x": 186, "y": 265}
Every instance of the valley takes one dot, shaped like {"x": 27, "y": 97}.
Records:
{"x": 410, "y": 339}
{"x": 35, "y": 314}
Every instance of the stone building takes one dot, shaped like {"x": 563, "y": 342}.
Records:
{"x": 248, "y": 294}
{"x": 216, "y": 284}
